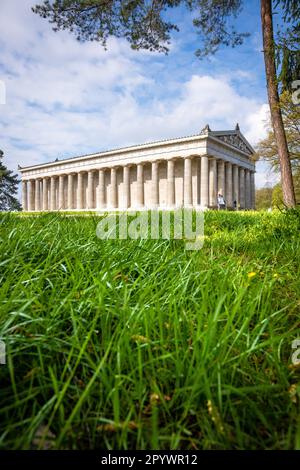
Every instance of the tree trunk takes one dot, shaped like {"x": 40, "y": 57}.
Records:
{"x": 276, "y": 117}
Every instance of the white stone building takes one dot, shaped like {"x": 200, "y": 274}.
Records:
{"x": 182, "y": 172}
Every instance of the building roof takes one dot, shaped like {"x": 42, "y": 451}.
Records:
{"x": 233, "y": 138}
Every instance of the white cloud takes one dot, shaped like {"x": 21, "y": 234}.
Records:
{"x": 65, "y": 98}
{"x": 256, "y": 123}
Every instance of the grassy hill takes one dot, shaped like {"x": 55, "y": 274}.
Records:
{"x": 139, "y": 344}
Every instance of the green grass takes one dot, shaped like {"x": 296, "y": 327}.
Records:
{"x": 140, "y": 344}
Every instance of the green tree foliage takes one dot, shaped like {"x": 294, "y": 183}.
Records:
{"x": 277, "y": 196}
{"x": 272, "y": 197}
{"x": 263, "y": 198}
{"x": 287, "y": 44}
{"x": 8, "y": 188}
{"x": 266, "y": 149}
{"x": 143, "y": 23}
{"x": 289, "y": 60}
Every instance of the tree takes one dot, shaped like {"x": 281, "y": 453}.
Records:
{"x": 144, "y": 24}
{"x": 287, "y": 46}
{"x": 8, "y": 188}
{"x": 141, "y": 22}
{"x": 289, "y": 60}
{"x": 272, "y": 196}
{"x": 263, "y": 198}
{"x": 274, "y": 103}
{"x": 277, "y": 197}
{"x": 267, "y": 150}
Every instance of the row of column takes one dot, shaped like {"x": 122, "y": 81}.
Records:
{"x": 235, "y": 183}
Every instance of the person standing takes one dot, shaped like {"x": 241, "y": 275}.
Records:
{"x": 221, "y": 202}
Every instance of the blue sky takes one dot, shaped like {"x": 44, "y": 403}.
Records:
{"x": 64, "y": 98}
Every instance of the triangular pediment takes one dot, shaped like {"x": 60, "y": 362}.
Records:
{"x": 235, "y": 139}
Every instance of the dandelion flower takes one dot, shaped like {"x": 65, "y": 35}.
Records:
{"x": 252, "y": 274}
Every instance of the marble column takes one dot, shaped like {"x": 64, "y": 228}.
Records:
{"x": 221, "y": 177}
{"x": 37, "y": 203}
{"x": 90, "y": 196}
{"x": 187, "y": 182}
{"x": 31, "y": 195}
{"x": 101, "y": 190}
{"x": 52, "y": 194}
{"x": 79, "y": 201}
{"x": 252, "y": 183}
{"x": 228, "y": 185}
{"x": 113, "y": 188}
{"x": 140, "y": 185}
{"x": 61, "y": 181}
{"x": 126, "y": 186}
{"x": 213, "y": 182}
{"x": 24, "y": 196}
{"x": 45, "y": 194}
{"x": 247, "y": 190}
{"x": 154, "y": 183}
{"x": 204, "y": 198}
{"x": 70, "y": 201}
{"x": 242, "y": 188}
{"x": 171, "y": 183}
{"x": 236, "y": 192}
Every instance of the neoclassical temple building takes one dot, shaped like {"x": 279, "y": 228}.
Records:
{"x": 181, "y": 172}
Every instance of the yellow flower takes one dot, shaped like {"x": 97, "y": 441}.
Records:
{"x": 252, "y": 274}
{"x": 275, "y": 275}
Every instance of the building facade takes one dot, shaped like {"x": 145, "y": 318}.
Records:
{"x": 182, "y": 172}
